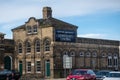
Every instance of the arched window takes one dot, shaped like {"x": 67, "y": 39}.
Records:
{"x": 72, "y": 53}
{"x": 19, "y": 48}
{"x": 28, "y": 47}
{"x": 81, "y": 53}
{"x": 88, "y": 54}
{"x": 109, "y": 61}
{"x": 103, "y": 54}
{"x": 37, "y": 46}
{"x": 94, "y": 54}
{"x": 65, "y": 53}
{"x": 115, "y": 62}
{"x": 47, "y": 45}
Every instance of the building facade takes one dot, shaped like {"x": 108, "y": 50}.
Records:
{"x": 50, "y": 48}
{"x": 6, "y": 53}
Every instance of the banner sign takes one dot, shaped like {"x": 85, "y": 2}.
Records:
{"x": 65, "y": 35}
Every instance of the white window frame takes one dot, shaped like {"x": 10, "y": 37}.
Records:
{"x": 38, "y": 66}
{"x": 47, "y": 45}
{"x": 109, "y": 61}
{"x": 29, "y": 67}
{"x": 29, "y": 30}
{"x": 81, "y": 53}
{"x": 72, "y": 53}
{"x": 94, "y": 54}
{"x": 37, "y": 46}
{"x": 115, "y": 61}
{"x": 35, "y": 29}
{"x": 88, "y": 54}
{"x": 28, "y": 47}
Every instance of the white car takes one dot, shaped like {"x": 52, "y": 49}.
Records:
{"x": 113, "y": 75}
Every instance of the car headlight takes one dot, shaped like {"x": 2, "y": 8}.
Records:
{"x": 67, "y": 78}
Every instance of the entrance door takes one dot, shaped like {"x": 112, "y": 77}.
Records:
{"x": 47, "y": 68}
{"x": 20, "y": 67}
{"x": 7, "y": 63}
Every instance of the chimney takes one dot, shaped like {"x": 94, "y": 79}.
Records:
{"x": 47, "y": 12}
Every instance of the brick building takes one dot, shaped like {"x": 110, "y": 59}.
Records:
{"x": 41, "y": 47}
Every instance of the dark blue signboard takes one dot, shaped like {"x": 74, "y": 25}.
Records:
{"x": 65, "y": 35}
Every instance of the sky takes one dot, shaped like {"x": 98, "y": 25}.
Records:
{"x": 98, "y": 19}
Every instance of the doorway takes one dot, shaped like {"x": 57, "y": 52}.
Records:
{"x": 47, "y": 68}
{"x": 7, "y": 63}
{"x": 20, "y": 67}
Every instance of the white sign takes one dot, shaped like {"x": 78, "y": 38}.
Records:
{"x": 67, "y": 62}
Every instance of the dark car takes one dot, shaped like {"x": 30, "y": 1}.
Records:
{"x": 101, "y": 74}
{"x": 4, "y": 74}
{"x": 81, "y": 74}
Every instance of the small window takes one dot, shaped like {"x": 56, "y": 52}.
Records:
{"x": 65, "y": 53}
{"x": 103, "y": 55}
{"x": 28, "y": 66}
{"x": 29, "y": 29}
{"x": 34, "y": 29}
{"x": 38, "y": 66}
{"x": 72, "y": 53}
{"x": 88, "y": 54}
{"x": 94, "y": 54}
{"x": 19, "y": 48}
{"x": 81, "y": 53}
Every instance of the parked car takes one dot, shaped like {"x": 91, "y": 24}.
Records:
{"x": 81, "y": 74}
{"x": 4, "y": 74}
{"x": 101, "y": 74}
{"x": 114, "y": 75}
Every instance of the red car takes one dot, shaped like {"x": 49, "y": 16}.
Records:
{"x": 82, "y": 74}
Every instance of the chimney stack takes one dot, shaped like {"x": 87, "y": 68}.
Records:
{"x": 47, "y": 12}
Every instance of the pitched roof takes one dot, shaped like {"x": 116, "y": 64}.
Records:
{"x": 50, "y": 22}
{"x": 2, "y": 33}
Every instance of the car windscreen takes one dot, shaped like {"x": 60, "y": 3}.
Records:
{"x": 114, "y": 75}
{"x": 102, "y": 73}
{"x": 79, "y": 72}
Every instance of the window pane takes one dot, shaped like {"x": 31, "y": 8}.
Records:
{"x": 47, "y": 45}
{"x": 38, "y": 66}
{"x": 29, "y": 29}
{"x": 28, "y": 47}
{"x": 35, "y": 28}
{"x": 37, "y": 46}
{"x": 29, "y": 66}
{"x": 20, "y": 48}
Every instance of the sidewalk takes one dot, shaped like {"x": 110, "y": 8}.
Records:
{"x": 57, "y": 79}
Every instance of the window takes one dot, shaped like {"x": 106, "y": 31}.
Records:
{"x": 81, "y": 53}
{"x": 19, "y": 48}
{"x": 47, "y": 45}
{"x": 115, "y": 61}
{"x": 94, "y": 54}
{"x": 29, "y": 29}
{"x": 103, "y": 55}
{"x": 28, "y": 47}
{"x": 109, "y": 61}
{"x": 88, "y": 54}
{"x": 65, "y": 52}
{"x": 35, "y": 29}
{"x": 38, "y": 64}
{"x": 28, "y": 66}
{"x": 72, "y": 53}
{"x": 37, "y": 46}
